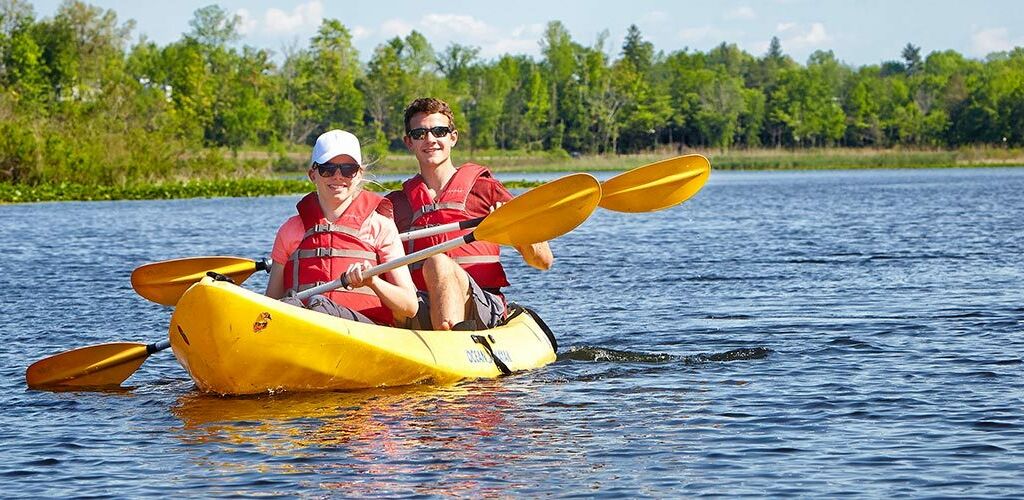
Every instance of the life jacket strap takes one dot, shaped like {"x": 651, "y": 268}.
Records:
{"x": 364, "y": 290}
{"x": 330, "y": 228}
{"x": 334, "y": 252}
{"x": 433, "y": 207}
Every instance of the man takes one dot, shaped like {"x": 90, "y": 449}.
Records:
{"x": 463, "y": 286}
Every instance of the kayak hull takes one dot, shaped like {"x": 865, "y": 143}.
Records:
{"x": 233, "y": 341}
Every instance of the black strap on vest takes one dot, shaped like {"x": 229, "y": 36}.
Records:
{"x": 502, "y": 367}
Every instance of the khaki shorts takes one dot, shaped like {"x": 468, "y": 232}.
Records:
{"x": 486, "y": 311}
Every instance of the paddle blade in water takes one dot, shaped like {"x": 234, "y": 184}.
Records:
{"x": 93, "y": 366}
{"x": 165, "y": 282}
{"x": 543, "y": 213}
{"x": 657, "y": 186}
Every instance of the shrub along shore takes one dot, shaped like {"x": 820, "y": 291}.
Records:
{"x": 264, "y": 174}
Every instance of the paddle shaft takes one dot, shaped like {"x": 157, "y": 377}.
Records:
{"x": 390, "y": 265}
{"x": 643, "y": 189}
{"x": 443, "y": 228}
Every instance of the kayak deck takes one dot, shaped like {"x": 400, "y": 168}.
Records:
{"x": 235, "y": 341}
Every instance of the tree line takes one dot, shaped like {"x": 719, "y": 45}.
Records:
{"x": 81, "y": 101}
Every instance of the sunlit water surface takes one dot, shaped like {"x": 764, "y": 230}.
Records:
{"x": 782, "y": 333}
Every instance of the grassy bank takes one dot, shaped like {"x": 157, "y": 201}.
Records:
{"x": 10, "y": 193}
{"x": 280, "y": 169}
{"x": 737, "y": 159}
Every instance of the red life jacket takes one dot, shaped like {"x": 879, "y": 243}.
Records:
{"x": 480, "y": 259}
{"x": 328, "y": 249}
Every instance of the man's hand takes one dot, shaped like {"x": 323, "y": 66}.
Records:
{"x": 537, "y": 255}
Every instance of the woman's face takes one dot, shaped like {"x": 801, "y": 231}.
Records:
{"x": 332, "y": 184}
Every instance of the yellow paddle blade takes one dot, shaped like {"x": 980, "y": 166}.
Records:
{"x": 93, "y": 366}
{"x": 542, "y": 213}
{"x": 165, "y": 282}
{"x": 659, "y": 185}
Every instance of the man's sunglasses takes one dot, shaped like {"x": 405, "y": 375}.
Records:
{"x": 348, "y": 170}
{"x": 439, "y": 132}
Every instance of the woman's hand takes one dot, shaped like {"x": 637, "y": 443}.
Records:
{"x": 355, "y": 277}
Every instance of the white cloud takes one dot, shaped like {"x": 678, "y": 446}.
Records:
{"x": 741, "y": 13}
{"x": 395, "y": 27}
{"x": 444, "y": 29}
{"x": 784, "y": 27}
{"x": 454, "y": 23}
{"x": 523, "y": 39}
{"x": 360, "y": 32}
{"x": 815, "y": 36}
{"x": 758, "y": 47}
{"x": 533, "y": 31}
{"x": 246, "y": 23}
{"x": 303, "y": 16}
{"x": 275, "y": 21}
{"x": 986, "y": 41}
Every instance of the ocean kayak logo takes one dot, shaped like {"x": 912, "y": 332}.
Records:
{"x": 478, "y": 356}
{"x": 261, "y": 322}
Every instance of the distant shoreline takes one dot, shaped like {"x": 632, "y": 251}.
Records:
{"x": 288, "y": 180}
{"x": 737, "y": 159}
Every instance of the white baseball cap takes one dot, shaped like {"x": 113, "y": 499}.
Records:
{"x": 333, "y": 143}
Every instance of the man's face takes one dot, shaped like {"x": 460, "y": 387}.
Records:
{"x": 431, "y": 150}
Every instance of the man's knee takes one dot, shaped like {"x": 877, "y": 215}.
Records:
{"x": 438, "y": 268}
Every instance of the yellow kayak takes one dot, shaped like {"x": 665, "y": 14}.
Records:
{"x": 235, "y": 341}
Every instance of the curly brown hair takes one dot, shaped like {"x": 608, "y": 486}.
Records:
{"x": 429, "y": 106}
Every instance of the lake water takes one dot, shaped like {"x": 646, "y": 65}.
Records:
{"x": 818, "y": 334}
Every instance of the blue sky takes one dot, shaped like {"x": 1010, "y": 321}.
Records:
{"x": 858, "y": 32}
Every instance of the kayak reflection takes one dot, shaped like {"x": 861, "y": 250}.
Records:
{"x": 377, "y": 435}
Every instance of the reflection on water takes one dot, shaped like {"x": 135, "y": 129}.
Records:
{"x": 377, "y": 435}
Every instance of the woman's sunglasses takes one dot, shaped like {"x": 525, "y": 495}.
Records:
{"x": 438, "y": 132}
{"x": 348, "y": 170}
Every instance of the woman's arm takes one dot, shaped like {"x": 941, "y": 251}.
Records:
{"x": 275, "y": 285}
{"x": 399, "y": 296}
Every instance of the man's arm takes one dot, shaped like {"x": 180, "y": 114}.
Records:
{"x": 493, "y": 194}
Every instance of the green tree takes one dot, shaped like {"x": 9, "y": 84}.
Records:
{"x": 722, "y": 100}
{"x": 329, "y": 97}
{"x": 911, "y": 59}
{"x": 83, "y": 49}
{"x": 212, "y": 26}
{"x": 559, "y": 63}
{"x": 399, "y": 71}
{"x": 645, "y": 108}
{"x": 538, "y": 108}
{"x": 22, "y": 67}
{"x": 384, "y": 91}
{"x": 637, "y": 51}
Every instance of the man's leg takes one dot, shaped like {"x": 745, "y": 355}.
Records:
{"x": 448, "y": 289}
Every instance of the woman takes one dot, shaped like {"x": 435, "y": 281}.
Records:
{"x": 340, "y": 228}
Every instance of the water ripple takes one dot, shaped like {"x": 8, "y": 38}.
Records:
{"x": 812, "y": 334}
